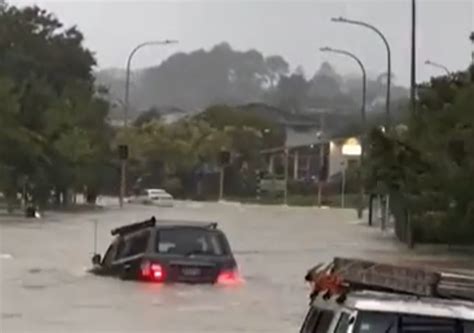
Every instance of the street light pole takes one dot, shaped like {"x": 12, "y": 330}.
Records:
{"x": 388, "y": 120}
{"x": 364, "y": 80}
{"x": 410, "y": 236}
{"x": 123, "y": 164}
{"x": 362, "y": 112}
{"x": 437, "y": 65}
{"x": 127, "y": 78}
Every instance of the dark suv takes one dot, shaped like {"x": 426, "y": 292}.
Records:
{"x": 169, "y": 251}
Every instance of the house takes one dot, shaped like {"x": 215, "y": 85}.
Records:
{"x": 312, "y": 153}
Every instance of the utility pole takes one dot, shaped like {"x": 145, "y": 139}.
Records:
{"x": 285, "y": 162}
{"x": 321, "y": 159}
{"x": 343, "y": 185}
{"x": 123, "y": 156}
{"x": 221, "y": 183}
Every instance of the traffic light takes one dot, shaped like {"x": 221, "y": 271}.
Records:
{"x": 224, "y": 157}
{"x": 123, "y": 152}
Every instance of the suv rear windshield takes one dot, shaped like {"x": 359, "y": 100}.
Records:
{"x": 188, "y": 241}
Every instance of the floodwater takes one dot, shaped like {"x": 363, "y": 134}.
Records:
{"x": 45, "y": 286}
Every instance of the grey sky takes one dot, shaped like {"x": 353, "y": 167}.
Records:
{"x": 293, "y": 29}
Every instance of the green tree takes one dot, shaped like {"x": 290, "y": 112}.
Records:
{"x": 56, "y": 123}
{"x": 430, "y": 164}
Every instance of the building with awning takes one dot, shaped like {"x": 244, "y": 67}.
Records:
{"x": 312, "y": 153}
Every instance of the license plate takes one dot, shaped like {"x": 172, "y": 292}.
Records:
{"x": 191, "y": 271}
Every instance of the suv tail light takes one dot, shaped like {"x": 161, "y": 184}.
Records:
{"x": 152, "y": 271}
{"x": 228, "y": 277}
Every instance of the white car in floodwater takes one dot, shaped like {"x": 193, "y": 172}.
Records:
{"x": 153, "y": 196}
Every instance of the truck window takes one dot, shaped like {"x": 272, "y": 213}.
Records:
{"x": 324, "y": 321}
{"x": 310, "y": 321}
{"x": 425, "y": 324}
{"x": 469, "y": 327}
{"x": 343, "y": 323}
{"x": 369, "y": 322}
{"x": 375, "y": 322}
{"x": 317, "y": 321}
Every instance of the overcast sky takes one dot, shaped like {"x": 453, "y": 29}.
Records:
{"x": 293, "y": 29}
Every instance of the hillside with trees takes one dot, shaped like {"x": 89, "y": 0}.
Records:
{"x": 193, "y": 81}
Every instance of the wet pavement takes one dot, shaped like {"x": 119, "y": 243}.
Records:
{"x": 45, "y": 286}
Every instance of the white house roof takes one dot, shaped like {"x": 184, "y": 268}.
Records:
{"x": 307, "y": 137}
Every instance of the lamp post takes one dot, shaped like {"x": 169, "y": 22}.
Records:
{"x": 389, "y": 61}
{"x": 362, "y": 114}
{"x": 129, "y": 62}
{"x": 123, "y": 160}
{"x": 410, "y": 236}
{"x": 437, "y": 65}
{"x": 364, "y": 79}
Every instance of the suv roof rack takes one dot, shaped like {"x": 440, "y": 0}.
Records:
{"x": 212, "y": 225}
{"x": 126, "y": 229}
{"x": 343, "y": 275}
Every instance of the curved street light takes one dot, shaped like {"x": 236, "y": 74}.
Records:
{"x": 123, "y": 165}
{"x": 129, "y": 61}
{"x": 437, "y": 65}
{"x": 362, "y": 113}
{"x": 364, "y": 79}
{"x": 389, "y": 60}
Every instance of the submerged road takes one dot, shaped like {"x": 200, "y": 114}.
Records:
{"x": 45, "y": 286}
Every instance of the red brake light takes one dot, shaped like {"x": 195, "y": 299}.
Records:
{"x": 152, "y": 271}
{"x": 157, "y": 271}
{"x": 228, "y": 277}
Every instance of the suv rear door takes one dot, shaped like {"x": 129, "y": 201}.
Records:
{"x": 193, "y": 254}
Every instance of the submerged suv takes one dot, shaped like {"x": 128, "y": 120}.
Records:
{"x": 169, "y": 251}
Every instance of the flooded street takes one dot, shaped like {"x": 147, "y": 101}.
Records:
{"x": 45, "y": 286}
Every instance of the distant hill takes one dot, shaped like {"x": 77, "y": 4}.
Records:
{"x": 193, "y": 81}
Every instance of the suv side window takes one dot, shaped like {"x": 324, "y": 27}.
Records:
{"x": 137, "y": 244}
{"x": 121, "y": 248}
{"x": 109, "y": 255}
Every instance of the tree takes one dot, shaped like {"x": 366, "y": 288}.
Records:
{"x": 56, "y": 128}
{"x": 429, "y": 165}
{"x": 277, "y": 67}
{"x": 291, "y": 93}
{"x": 147, "y": 116}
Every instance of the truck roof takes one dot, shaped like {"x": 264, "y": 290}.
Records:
{"x": 408, "y": 304}
{"x": 371, "y": 286}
